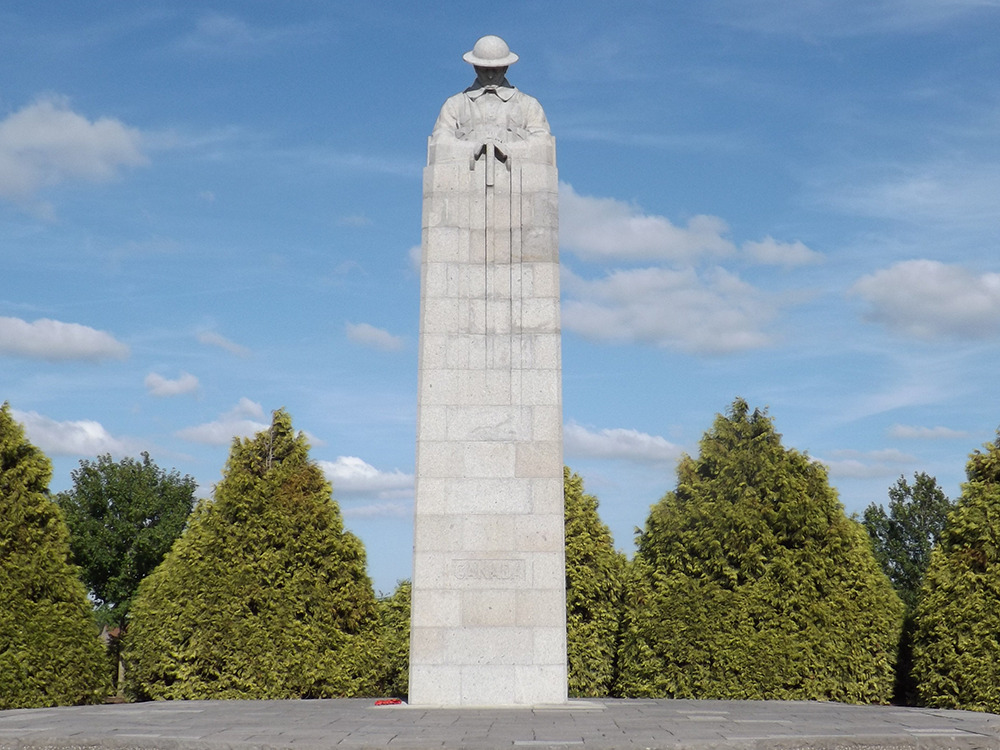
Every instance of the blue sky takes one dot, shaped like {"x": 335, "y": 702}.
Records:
{"x": 209, "y": 211}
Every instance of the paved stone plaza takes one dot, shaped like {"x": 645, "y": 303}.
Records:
{"x": 213, "y": 725}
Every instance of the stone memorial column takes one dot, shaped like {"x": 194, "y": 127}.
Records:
{"x": 489, "y": 600}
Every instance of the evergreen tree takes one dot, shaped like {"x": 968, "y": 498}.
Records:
{"x": 750, "y": 582}
{"x": 594, "y": 579}
{"x": 50, "y": 654}
{"x": 264, "y": 595}
{"x": 394, "y": 628}
{"x": 956, "y": 643}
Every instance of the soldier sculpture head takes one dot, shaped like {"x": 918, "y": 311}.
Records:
{"x": 490, "y": 57}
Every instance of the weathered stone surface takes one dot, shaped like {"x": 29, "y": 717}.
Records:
{"x": 605, "y": 725}
{"x": 489, "y": 620}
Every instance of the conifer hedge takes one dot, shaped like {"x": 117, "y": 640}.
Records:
{"x": 264, "y": 595}
{"x": 394, "y": 623}
{"x": 595, "y": 573}
{"x": 50, "y": 653}
{"x": 956, "y": 644}
{"x": 750, "y": 582}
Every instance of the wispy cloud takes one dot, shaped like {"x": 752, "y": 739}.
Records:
{"x": 378, "y": 510}
{"x": 214, "y": 141}
{"x": 398, "y": 166}
{"x": 711, "y": 313}
{"x": 46, "y": 143}
{"x": 854, "y": 464}
{"x": 913, "y": 432}
{"x": 830, "y": 18}
{"x": 211, "y": 338}
{"x": 953, "y": 193}
{"x": 354, "y": 220}
{"x": 55, "y": 341}
{"x": 376, "y": 338}
{"x": 157, "y": 385}
{"x": 225, "y": 34}
{"x": 771, "y": 252}
{"x": 82, "y": 437}
{"x": 618, "y": 443}
{"x": 930, "y": 300}
{"x": 714, "y": 142}
{"x": 240, "y": 421}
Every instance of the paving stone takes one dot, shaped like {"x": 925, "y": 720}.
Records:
{"x": 356, "y": 723}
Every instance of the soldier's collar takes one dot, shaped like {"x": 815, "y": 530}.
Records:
{"x": 503, "y": 90}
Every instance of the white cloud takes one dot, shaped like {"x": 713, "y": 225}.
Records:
{"x": 237, "y": 422}
{"x": 218, "y": 34}
{"x": 415, "y": 254}
{"x": 54, "y": 340}
{"x": 911, "y": 432}
{"x": 606, "y": 228}
{"x": 161, "y": 386}
{"x": 353, "y": 476}
{"x": 46, "y": 143}
{"x": 210, "y": 338}
{"x": 853, "y": 464}
{"x": 71, "y": 438}
{"x": 773, "y": 253}
{"x": 712, "y": 313}
{"x": 928, "y": 300}
{"x": 376, "y": 338}
{"x": 618, "y": 443}
{"x": 379, "y": 510}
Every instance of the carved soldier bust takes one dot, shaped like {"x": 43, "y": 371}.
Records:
{"x": 491, "y": 110}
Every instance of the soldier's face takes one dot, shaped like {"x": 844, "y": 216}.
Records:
{"x": 490, "y": 76}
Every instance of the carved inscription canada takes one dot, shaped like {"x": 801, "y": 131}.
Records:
{"x": 488, "y": 570}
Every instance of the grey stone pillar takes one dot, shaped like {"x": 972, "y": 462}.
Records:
{"x": 489, "y": 600}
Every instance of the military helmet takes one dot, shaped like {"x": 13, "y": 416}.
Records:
{"x": 490, "y": 52}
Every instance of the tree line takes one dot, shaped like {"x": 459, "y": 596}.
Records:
{"x": 749, "y": 582}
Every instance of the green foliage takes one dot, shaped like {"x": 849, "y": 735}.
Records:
{"x": 902, "y": 540}
{"x": 394, "y": 629}
{"x": 50, "y": 654}
{"x": 904, "y": 537}
{"x": 594, "y": 580}
{"x": 956, "y": 644}
{"x": 123, "y": 516}
{"x": 750, "y": 582}
{"x": 264, "y": 595}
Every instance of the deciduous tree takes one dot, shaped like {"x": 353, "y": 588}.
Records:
{"x": 50, "y": 654}
{"x": 123, "y": 516}
{"x": 904, "y": 537}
